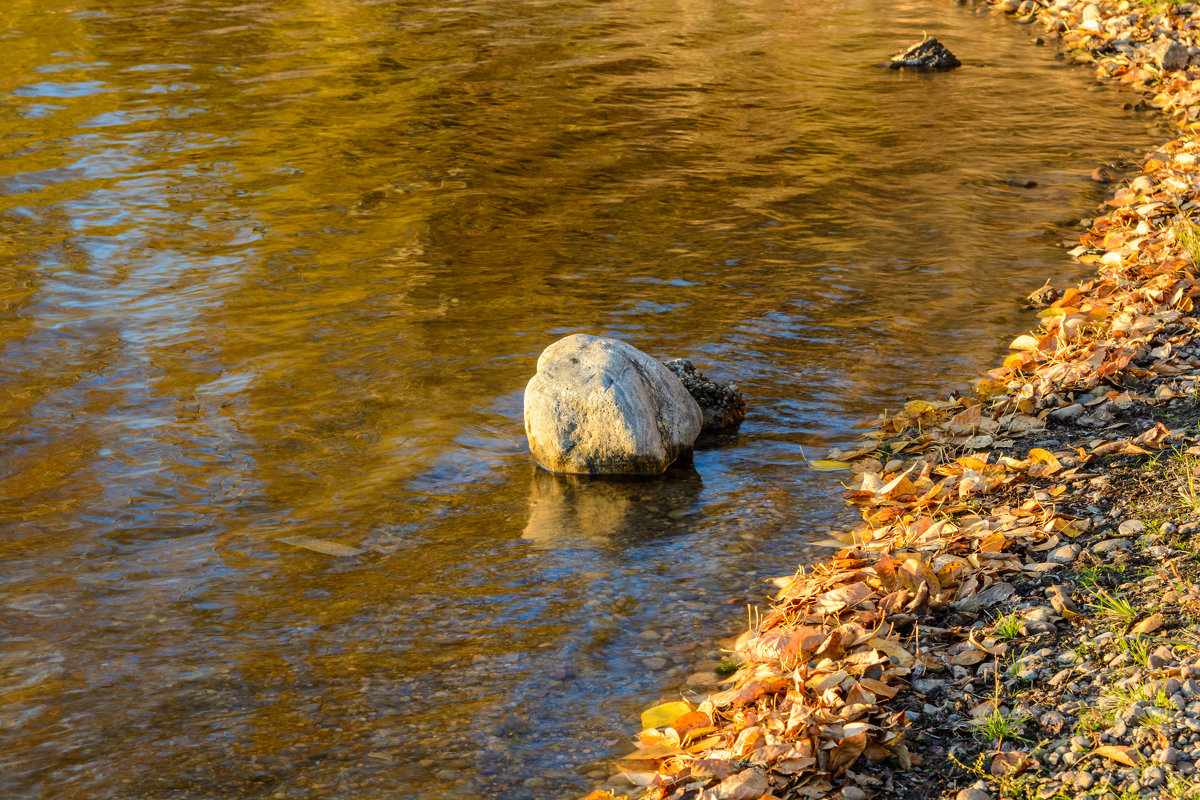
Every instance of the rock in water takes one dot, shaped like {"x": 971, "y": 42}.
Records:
{"x": 928, "y": 54}
{"x": 602, "y": 407}
{"x": 722, "y": 404}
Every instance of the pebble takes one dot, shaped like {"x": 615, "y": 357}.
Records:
{"x": 1153, "y": 777}
{"x": 1068, "y": 413}
{"x": 972, "y": 794}
{"x": 1159, "y": 658}
{"x": 1039, "y": 614}
{"x": 1158, "y": 551}
{"x": 1131, "y": 527}
{"x": 1108, "y": 545}
{"x": 1133, "y": 715}
{"x": 1052, "y": 722}
{"x": 1065, "y": 554}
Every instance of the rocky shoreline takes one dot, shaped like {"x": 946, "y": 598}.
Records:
{"x": 1019, "y": 614}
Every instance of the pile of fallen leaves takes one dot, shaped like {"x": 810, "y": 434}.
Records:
{"x": 941, "y": 538}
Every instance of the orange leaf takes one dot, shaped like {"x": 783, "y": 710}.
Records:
{"x": 847, "y": 752}
{"x": 691, "y": 722}
{"x": 1124, "y": 755}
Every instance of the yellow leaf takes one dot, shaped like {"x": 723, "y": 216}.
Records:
{"x": 663, "y": 715}
{"x": 1024, "y": 342}
{"x": 321, "y": 546}
{"x": 1039, "y": 456}
{"x": 1046, "y": 463}
{"x": 827, "y": 464}
{"x": 987, "y": 389}
{"x": 917, "y": 407}
{"x": 704, "y": 745}
{"x": 890, "y": 648}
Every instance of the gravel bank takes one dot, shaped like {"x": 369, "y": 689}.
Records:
{"x": 1019, "y": 614}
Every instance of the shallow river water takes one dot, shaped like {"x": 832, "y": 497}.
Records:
{"x": 282, "y": 269}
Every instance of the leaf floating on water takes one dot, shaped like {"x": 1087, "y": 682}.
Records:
{"x": 321, "y": 546}
{"x": 663, "y": 715}
{"x": 825, "y": 464}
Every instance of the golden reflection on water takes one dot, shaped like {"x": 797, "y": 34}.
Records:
{"x": 274, "y": 270}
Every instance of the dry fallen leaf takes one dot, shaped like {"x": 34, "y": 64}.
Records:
{"x": 1009, "y": 762}
{"x": 749, "y": 784}
{"x": 1119, "y": 753}
{"x": 829, "y": 464}
{"x": 838, "y": 599}
{"x": 661, "y": 716}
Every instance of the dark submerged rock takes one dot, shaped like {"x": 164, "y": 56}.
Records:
{"x": 1043, "y": 297}
{"x": 927, "y": 55}
{"x": 722, "y": 404}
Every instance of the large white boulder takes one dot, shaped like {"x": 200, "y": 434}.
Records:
{"x": 600, "y": 406}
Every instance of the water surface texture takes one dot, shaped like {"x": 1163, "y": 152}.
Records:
{"x": 282, "y": 269}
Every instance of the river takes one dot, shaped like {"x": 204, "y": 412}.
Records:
{"x": 282, "y": 269}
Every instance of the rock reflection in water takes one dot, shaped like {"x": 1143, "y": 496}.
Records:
{"x": 605, "y": 512}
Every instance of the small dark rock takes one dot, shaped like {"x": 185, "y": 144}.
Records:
{"x": 927, "y": 55}
{"x": 1043, "y": 297}
{"x": 1168, "y": 54}
{"x": 722, "y": 404}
